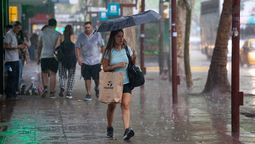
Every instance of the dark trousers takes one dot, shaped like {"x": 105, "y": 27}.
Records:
{"x": 12, "y": 82}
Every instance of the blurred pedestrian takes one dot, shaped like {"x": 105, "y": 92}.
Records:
{"x": 7, "y": 28}
{"x": 49, "y": 65}
{"x": 12, "y": 60}
{"x": 67, "y": 65}
{"x": 88, "y": 51}
{"x": 115, "y": 59}
{"x": 33, "y": 48}
{"x": 23, "y": 54}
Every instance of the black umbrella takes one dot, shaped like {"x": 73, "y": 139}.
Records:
{"x": 128, "y": 21}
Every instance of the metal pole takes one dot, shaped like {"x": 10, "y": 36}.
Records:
{"x": 4, "y": 21}
{"x": 170, "y": 44}
{"x": 161, "y": 56}
{"x": 142, "y": 40}
{"x": 236, "y": 96}
{"x": 175, "y": 78}
{"x": 1, "y": 50}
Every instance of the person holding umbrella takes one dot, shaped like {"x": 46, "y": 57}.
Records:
{"x": 115, "y": 59}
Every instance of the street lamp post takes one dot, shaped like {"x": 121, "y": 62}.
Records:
{"x": 142, "y": 40}
{"x": 175, "y": 77}
{"x": 161, "y": 46}
{"x": 4, "y": 4}
{"x": 236, "y": 95}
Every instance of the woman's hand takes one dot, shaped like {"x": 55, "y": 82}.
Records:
{"x": 121, "y": 65}
{"x": 21, "y": 46}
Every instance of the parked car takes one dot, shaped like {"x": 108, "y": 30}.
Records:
{"x": 247, "y": 52}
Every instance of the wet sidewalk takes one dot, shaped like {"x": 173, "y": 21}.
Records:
{"x": 196, "y": 119}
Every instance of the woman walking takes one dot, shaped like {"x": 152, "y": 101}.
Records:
{"x": 67, "y": 64}
{"x": 115, "y": 59}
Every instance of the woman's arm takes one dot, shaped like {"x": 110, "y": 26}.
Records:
{"x": 107, "y": 67}
{"x": 78, "y": 55}
{"x": 60, "y": 39}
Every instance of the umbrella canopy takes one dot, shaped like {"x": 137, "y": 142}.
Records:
{"x": 128, "y": 21}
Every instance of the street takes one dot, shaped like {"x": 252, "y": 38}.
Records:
{"x": 195, "y": 119}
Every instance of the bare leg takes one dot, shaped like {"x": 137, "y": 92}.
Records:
{"x": 45, "y": 79}
{"x": 88, "y": 86}
{"x": 110, "y": 114}
{"x": 96, "y": 84}
{"x": 52, "y": 81}
{"x": 125, "y": 107}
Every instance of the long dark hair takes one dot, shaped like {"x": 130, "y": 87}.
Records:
{"x": 67, "y": 33}
{"x": 111, "y": 42}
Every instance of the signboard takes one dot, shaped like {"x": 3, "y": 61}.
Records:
{"x": 61, "y": 1}
{"x": 13, "y": 13}
{"x": 113, "y": 9}
{"x": 103, "y": 16}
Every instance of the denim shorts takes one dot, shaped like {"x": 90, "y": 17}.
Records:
{"x": 127, "y": 88}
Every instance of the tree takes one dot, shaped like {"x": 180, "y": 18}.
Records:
{"x": 217, "y": 79}
{"x": 187, "y": 68}
{"x": 184, "y": 9}
{"x": 180, "y": 27}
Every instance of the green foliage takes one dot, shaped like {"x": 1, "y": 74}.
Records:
{"x": 151, "y": 34}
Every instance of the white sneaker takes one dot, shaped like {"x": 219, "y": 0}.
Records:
{"x": 52, "y": 95}
{"x": 88, "y": 98}
{"x": 69, "y": 96}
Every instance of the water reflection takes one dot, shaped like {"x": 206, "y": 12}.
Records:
{"x": 5, "y": 116}
{"x": 181, "y": 124}
{"x": 218, "y": 106}
{"x": 142, "y": 100}
{"x": 18, "y": 129}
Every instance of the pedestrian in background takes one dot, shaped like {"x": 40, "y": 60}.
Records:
{"x": 49, "y": 65}
{"x": 33, "y": 48}
{"x": 12, "y": 47}
{"x": 67, "y": 65}
{"x": 115, "y": 59}
{"x": 88, "y": 51}
{"x": 22, "y": 38}
{"x": 7, "y": 28}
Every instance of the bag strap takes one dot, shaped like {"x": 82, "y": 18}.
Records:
{"x": 128, "y": 54}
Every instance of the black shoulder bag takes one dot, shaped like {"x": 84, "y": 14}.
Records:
{"x": 135, "y": 74}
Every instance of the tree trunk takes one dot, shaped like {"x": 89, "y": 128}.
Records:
{"x": 217, "y": 79}
{"x": 187, "y": 68}
{"x": 180, "y": 27}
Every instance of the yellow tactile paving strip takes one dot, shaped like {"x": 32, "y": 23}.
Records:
{"x": 193, "y": 69}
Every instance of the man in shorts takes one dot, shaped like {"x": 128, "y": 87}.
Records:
{"x": 49, "y": 65}
{"x": 89, "y": 47}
